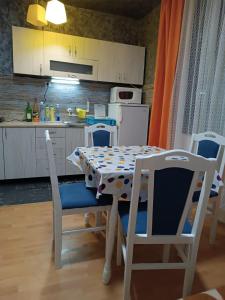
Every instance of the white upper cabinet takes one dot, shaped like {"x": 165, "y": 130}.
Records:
{"x": 27, "y": 51}
{"x": 55, "y": 54}
{"x": 63, "y": 56}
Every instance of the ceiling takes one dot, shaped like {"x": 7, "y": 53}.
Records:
{"x": 129, "y": 8}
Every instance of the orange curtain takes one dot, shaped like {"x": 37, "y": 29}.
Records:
{"x": 167, "y": 50}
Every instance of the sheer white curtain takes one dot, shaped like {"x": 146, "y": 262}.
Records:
{"x": 199, "y": 88}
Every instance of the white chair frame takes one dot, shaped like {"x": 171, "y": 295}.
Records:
{"x": 58, "y": 212}
{"x": 188, "y": 254}
{"x": 89, "y": 130}
{"x": 216, "y": 201}
{"x": 89, "y": 142}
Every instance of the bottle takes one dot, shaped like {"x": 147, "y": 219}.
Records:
{"x": 42, "y": 111}
{"x": 57, "y": 113}
{"x": 47, "y": 113}
{"x": 52, "y": 113}
{"x": 35, "y": 113}
{"x": 28, "y": 112}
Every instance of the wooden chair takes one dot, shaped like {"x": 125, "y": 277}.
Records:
{"x": 100, "y": 135}
{"x": 68, "y": 199}
{"x": 163, "y": 219}
{"x": 211, "y": 145}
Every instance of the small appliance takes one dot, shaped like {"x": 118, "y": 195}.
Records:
{"x": 126, "y": 95}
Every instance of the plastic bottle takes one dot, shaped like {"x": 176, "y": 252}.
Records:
{"x": 47, "y": 113}
{"x": 35, "y": 114}
{"x": 28, "y": 112}
{"x": 42, "y": 111}
{"x": 57, "y": 113}
{"x": 52, "y": 113}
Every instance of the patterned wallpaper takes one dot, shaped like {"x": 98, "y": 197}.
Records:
{"x": 15, "y": 92}
{"x": 148, "y": 34}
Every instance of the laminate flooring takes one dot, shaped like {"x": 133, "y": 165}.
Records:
{"x": 27, "y": 271}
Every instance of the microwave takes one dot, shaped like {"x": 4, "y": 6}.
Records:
{"x": 125, "y": 95}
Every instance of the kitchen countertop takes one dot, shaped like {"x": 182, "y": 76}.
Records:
{"x": 23, "y": 124}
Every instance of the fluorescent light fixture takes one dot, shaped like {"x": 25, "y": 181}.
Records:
{"x": 55, "y": 12}
{"x": 36, "y": 15}
{"x": 65, "y": 80}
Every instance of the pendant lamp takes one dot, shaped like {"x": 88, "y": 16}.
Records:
{"x": 55, "y": 12}
{"x": 36, "y": 15}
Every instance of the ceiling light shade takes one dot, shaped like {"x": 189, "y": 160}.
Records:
{"x": 36, "y": 15}
{"x": 55, "y": 12}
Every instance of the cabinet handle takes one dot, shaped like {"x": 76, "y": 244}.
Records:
{"x": 124, "y": 77}
{"x": 70, "y": 50}
{"x": 5, "y": 134}
{"x": 75, "y": 52}
{"x": 40, "y": 69}
{"x": 53, "y": 143}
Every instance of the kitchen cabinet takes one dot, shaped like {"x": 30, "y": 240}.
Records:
{"x": 129, "y": 64}
{"x": 74, "y": 138}
{"x": 48, "y": 53}
{"x": 106, "y": 68}
{"x": 27, "y": 51}
{"x": 63, "y": 57}
{"x": 19, "y": 152}
{"x": 2, "y": 172}
{"x": 58, "y": 143}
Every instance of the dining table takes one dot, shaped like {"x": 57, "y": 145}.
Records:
{"x": 111, "y": 170}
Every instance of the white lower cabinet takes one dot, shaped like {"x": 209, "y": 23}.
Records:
{"x": 19, "y": 152}
{"x": 74, "y": 138}
{"x": 23, "y": 152}
{"x": 58, "y": 142}
{"x": 2, "y": 168}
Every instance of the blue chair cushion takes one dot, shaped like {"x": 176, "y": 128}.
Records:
{"x": 101, "y": 138}
{"x": 141, "y": 222}
{"x": 197, "y": 195}
{"x": 208, "y": 149}
{"x": 76, "y": 195}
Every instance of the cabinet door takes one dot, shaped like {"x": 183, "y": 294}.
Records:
{"x": 129, "y": 64}
{"x": 2, "y": 173}
{"x": 74, "y": 138}
{"x": 92, "y": 49}
{"x": 27, "y": 51}
{"x": 106, "y": 68}
{"x": 19, "y": 152}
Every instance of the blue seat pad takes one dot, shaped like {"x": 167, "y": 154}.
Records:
{"x": 197, "y": 195}
{"x": 76, "y": 195}
{"x": 141, "y": 223}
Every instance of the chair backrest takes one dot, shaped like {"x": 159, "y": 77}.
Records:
{"x": 53, "y": 174}
{"x": 100, "y": 135}
{"x": 172, "y": 177}
{"x": 210, "y": 145}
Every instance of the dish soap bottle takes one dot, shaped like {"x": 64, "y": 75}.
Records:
{"x": 57, "y": 113}
{"x": 28, "y": 112}
{"x": 35, "y": 111}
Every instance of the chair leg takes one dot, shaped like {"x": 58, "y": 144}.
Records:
{"x": 58, "y": 240}
{"x": 98, "y": 218}
{"x": 128, "y": 270}
{"x": 86, "y": 219}
{"x": 166, "y": 253}
{"x": 189, "y": 271}
{"x": 119, "y": 245}
{"x": 213, "y": 228}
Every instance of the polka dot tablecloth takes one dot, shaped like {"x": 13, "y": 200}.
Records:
{"x": 110, "y": 169}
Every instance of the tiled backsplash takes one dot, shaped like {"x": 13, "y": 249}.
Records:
{"x": 16, "y": 91}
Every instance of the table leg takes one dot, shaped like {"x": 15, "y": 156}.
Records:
{"x": 106, "y": 276}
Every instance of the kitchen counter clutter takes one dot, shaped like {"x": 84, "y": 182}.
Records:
{"x": 23, "y": 151}
{"x": 23, "y": 124}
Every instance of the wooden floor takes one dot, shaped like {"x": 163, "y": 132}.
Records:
{"x": 27, "y": 271}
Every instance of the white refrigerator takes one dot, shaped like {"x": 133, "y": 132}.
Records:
{"x": 132, "y": 122}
